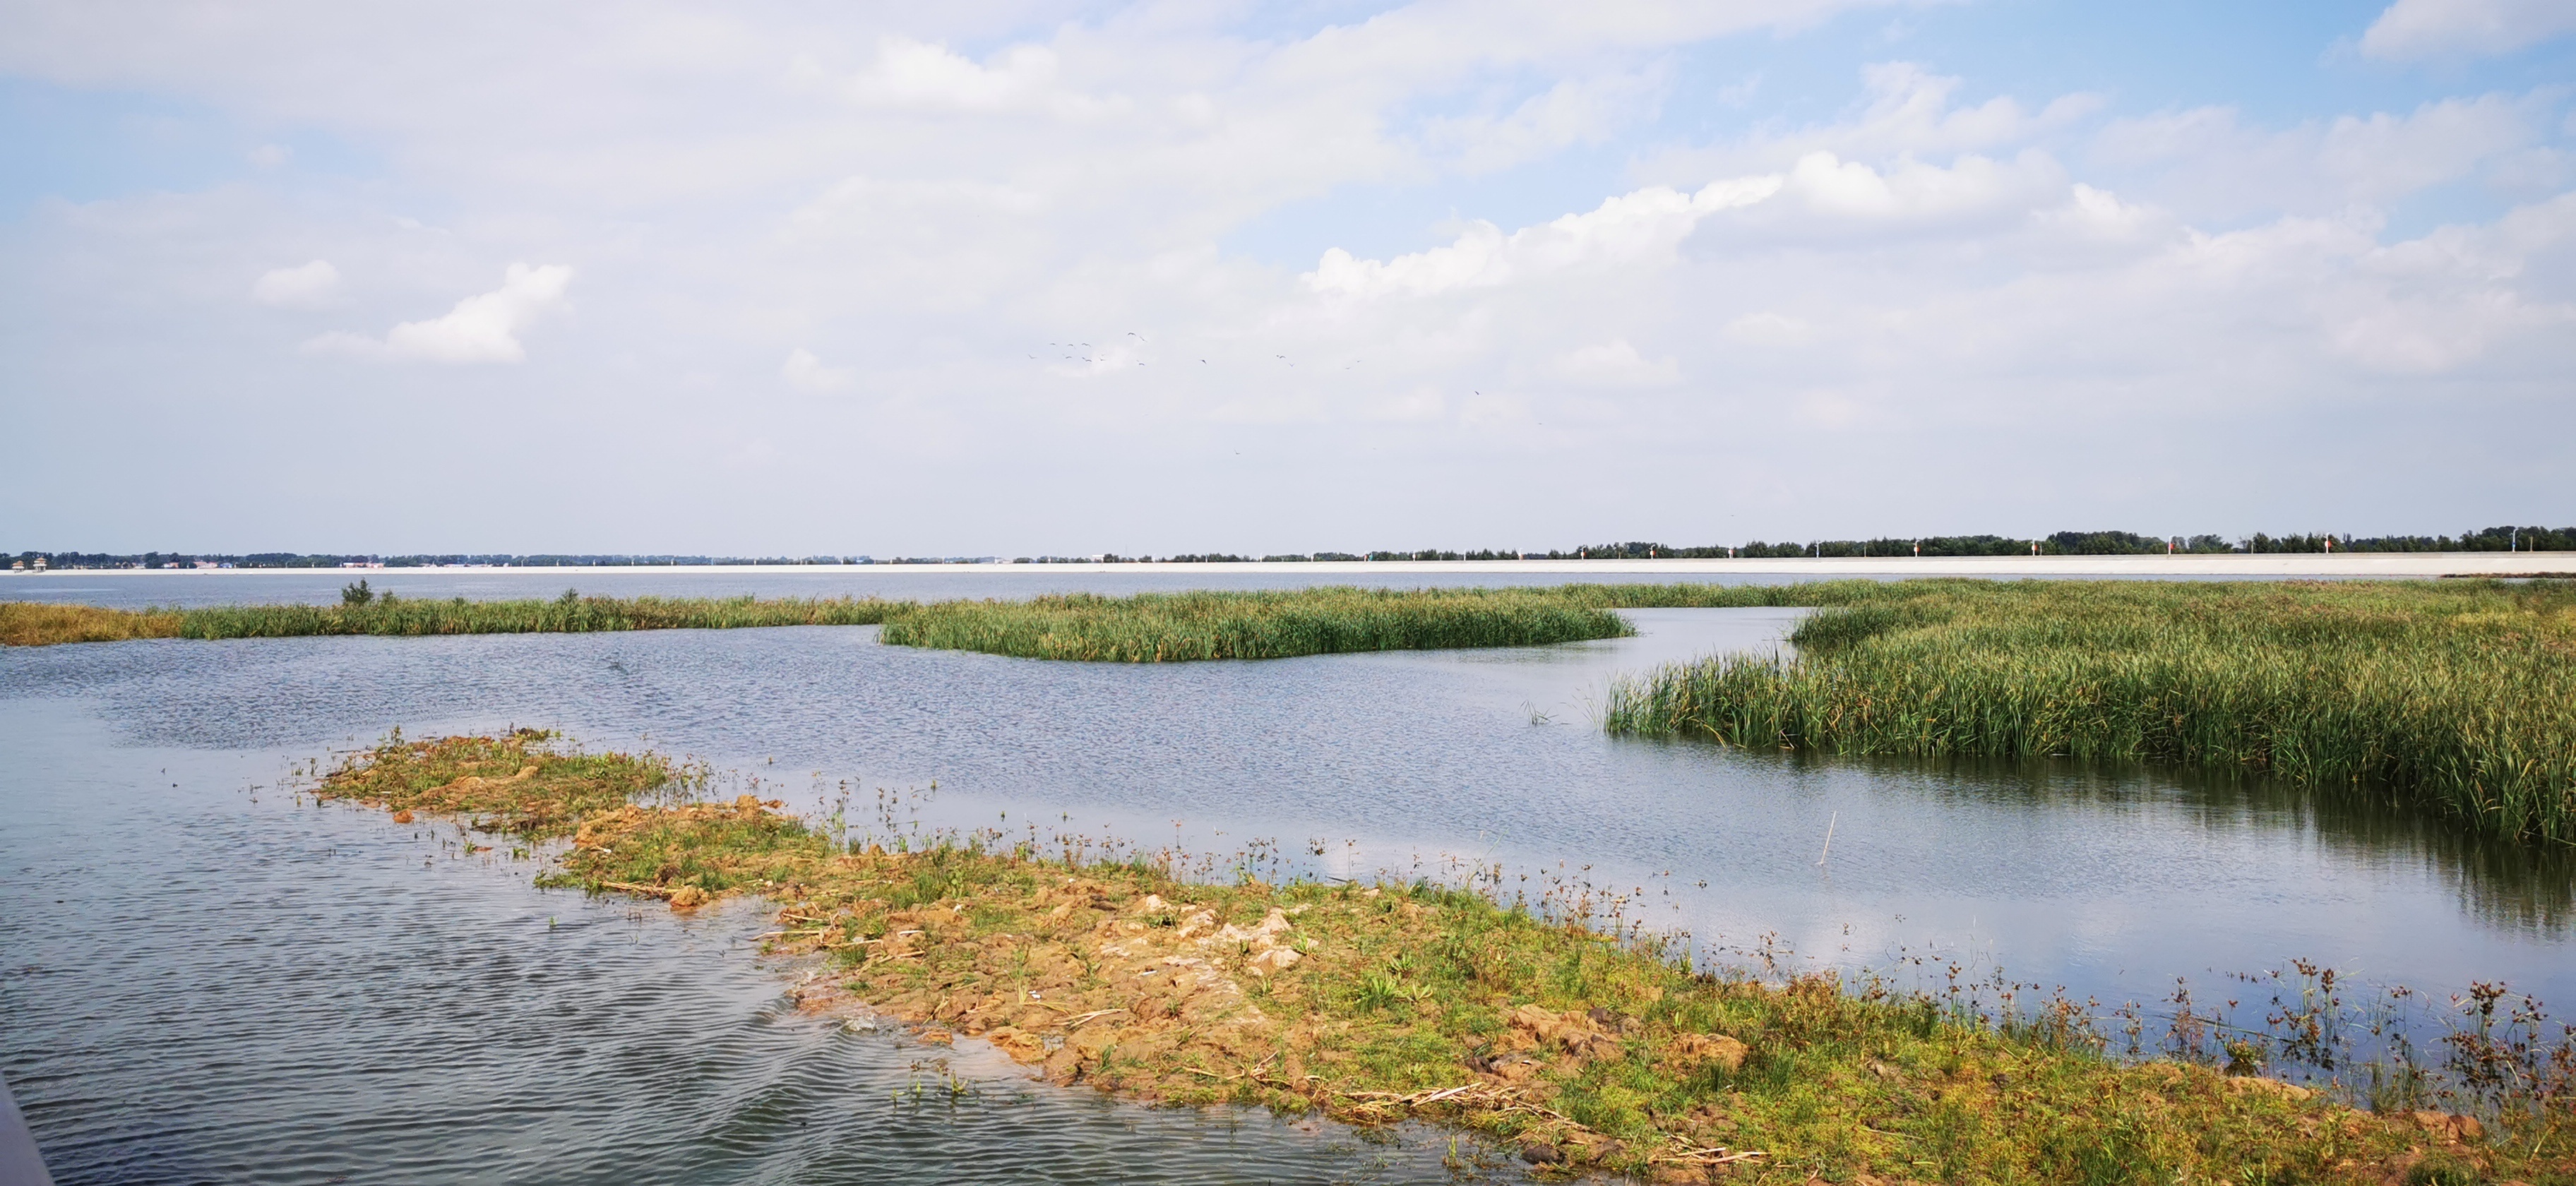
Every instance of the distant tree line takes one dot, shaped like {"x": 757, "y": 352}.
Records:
{"x": 2063, "y": 543}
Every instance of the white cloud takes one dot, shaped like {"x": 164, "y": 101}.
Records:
{"x": 2416, "y": 29}
{"x": 1645, "y": 223}
{"x": 1616, "y": 364}
{"x": 1420, "y": 404}
{"x": 305, "y": 286}
{"x": 2206, "y": 159}
{"x": 269, "y": 156}
{"x": 1575, "y": 111}
{"x": 481, "y": 328}
{"x": 1912, "y": 189}
{"x": 804, "y": 372}
{"x": 2099, "y": 215}
{"x": 2002, "y": 278}
{"x": 927, "y": 76}
{"x": 1767, "y": 328}
{"x": 1908, "y": 112}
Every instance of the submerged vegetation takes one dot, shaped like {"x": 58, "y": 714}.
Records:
{"x": 1583, "y": 1047}
{"x": 1163, "y": 627}
{"x": 2459, "y": 696}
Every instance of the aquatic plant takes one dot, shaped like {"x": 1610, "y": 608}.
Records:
{"x": 1587, "y": 1049}
{"x": 38, "y": 623}
{"x": 381, "y": 612}
{"x": 1168, "y": 627}
{"x": 1080, "y": 626}
{"x": 2458, "y": 696}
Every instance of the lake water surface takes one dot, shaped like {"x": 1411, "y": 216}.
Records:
{"x": 204, "y": 980}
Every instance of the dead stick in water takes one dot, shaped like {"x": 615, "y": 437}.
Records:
{"x": 1830, "y": 821}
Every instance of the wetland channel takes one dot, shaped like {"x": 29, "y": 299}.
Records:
{"x": 205, "y": 980}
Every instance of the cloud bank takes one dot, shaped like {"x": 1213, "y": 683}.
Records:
{"x": 1177, "y": 279}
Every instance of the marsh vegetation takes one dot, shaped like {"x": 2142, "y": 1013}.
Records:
{"x": 2458, "y": 697}
{"x": 1555, "y": 1026}
{"x": 1168, "y": 627}
{"x": 384, "y": 613}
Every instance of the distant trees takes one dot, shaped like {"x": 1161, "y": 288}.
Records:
{"x": 2061, "y": 543}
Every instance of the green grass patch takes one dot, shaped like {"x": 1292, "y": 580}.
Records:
{"x": 1168, "y": 627}
{"x": 2459, "y": 696}
{"x": 569, "y": 614}
{"x": 38, "y": 623}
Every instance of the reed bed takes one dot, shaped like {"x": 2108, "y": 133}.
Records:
{"x": 33, "y": 624}
{"x": 1169, "y": 627}
{"x": 563, "y": 615}
{"x": 2458, "y": 696}
{"x": 1145, "y": 628}
{"x": 37, "y": 623}
{"x": 1572, "y": 1042}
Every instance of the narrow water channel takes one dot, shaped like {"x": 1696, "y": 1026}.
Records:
{"x": 205, "y": 981}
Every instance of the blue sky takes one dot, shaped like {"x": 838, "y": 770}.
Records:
{"x": 1170, "y": 277}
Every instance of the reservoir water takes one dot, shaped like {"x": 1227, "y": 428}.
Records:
{"x": 204, "y": 979}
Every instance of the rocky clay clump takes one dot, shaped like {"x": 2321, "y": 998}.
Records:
{"x": 1378, "y": 1003}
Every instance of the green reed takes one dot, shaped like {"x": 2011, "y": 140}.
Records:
{"x": 2459, "y": 695}
{"x": 1167, "y": 627}
{"x": 567, "y": 614}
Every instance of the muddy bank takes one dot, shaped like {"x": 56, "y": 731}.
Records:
{"x": 1379, "y": 1003}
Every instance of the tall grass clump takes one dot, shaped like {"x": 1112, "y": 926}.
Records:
{"x": 2460, "y": 696}
{"x": 36, "y": 624}
{"x": 1167, "y": 627}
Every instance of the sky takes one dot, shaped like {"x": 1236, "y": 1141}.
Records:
{"x": 1023, "y": 278}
